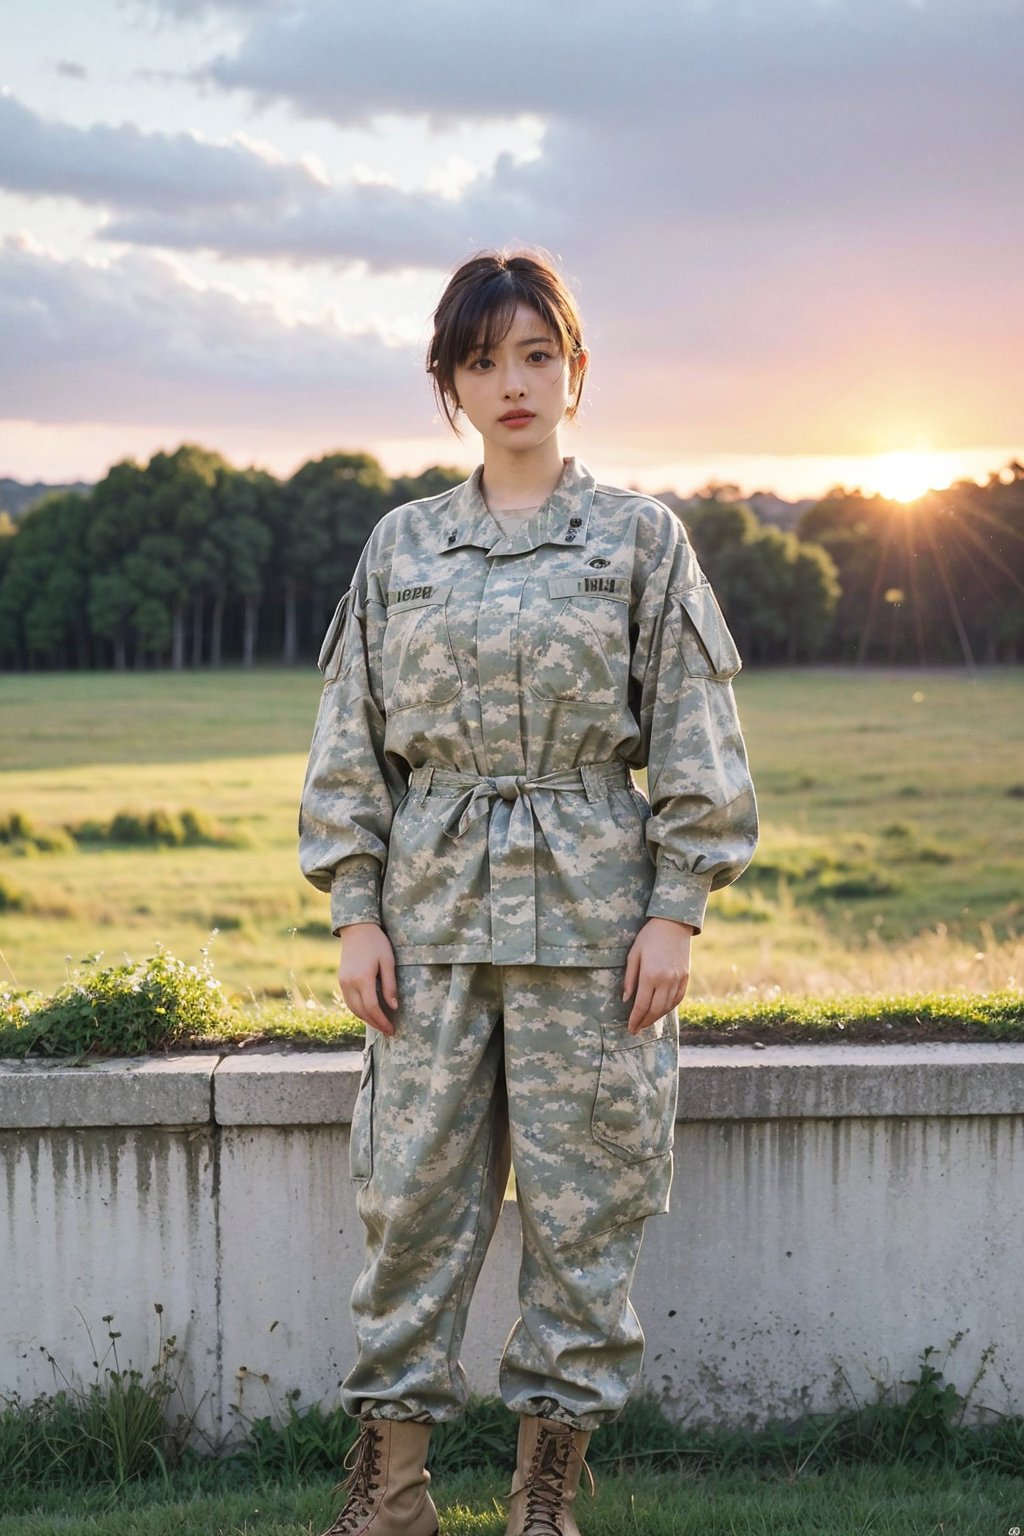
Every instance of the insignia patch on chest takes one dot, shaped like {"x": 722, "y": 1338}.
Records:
{"x": 599, "y": 564}
{"x": 590, "y": 586}
{"x": 415, "y": 596}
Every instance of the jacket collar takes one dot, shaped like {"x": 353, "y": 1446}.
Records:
{"x": 562, "y": 519}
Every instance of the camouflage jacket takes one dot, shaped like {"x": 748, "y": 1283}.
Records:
{"x": 484, "y": 698}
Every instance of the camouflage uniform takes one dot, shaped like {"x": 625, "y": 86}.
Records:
{"x": 468, "y": 787}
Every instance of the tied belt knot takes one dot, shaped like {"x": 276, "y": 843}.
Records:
{"x": 511, "y": 836}
{"x": 480, "y": 791}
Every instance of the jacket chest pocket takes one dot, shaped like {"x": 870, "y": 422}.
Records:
{"x": 417, "y": 661}
{"x": 577, "y": 640}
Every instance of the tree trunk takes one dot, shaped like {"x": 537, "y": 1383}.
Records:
{"x": 120, "y": 655}
{"x": 178, "y": 637}
{"x": 217, "y": 628}
{"x": 197, "y": 629}
{"x": 250, "y": 627}
{"x": 290, "y": 651}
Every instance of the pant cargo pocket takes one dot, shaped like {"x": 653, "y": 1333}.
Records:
{"x": 360, "y": 1140}
{"x": 635, "y": 1105}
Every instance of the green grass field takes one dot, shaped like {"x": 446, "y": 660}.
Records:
{"x": 891, "y": 856}
{"x": 866, "y": 1501}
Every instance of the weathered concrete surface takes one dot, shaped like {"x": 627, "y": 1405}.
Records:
{"x": 835, "y": 1210}
{"x": 290, "y": 1246}
{"x": 287, "y": 1088}
{"x": 145, "y": 1090}
{"x": 741, "y": 1082}
{"x": 806, "y": 1261}
{"x": 98, "y": 1220}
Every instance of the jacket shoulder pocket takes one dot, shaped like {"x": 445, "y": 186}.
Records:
{"x": 708, "y": 649}
{"x": 329, "y": 659}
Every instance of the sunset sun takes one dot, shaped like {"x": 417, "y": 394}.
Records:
{"x": 903, "y": 476}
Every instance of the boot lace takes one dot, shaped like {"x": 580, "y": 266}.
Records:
{"x": 545, "y": 1490}
{"x": 363, "y": 1466}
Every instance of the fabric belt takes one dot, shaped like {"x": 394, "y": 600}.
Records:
{"x": 508, "y": 800}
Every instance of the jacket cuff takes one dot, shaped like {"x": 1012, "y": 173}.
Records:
{"x": 679, "y": 894}
{"x": 355, "y": 891}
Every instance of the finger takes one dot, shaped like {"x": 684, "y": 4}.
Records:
{"x": 657, "y": 1008}
{"x": 380, "y": 1023}
{"x": 388, "y": 978}
{"x": 361, "y": 998}
{"x": 641, "y": 1004}
{"x": 629, "y": 977}
{"x": 374, "y": 1015}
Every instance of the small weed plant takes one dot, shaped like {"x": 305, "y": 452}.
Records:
{"x": 117, "y": 1010}
{"x": 114, "y": 1430}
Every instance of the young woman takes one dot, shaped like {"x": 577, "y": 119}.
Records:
{"x": 515, "y": 915}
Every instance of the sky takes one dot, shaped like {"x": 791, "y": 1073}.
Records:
{"x": 793, "y": 226}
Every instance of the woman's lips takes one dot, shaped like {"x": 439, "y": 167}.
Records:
{"x": 518, "y": 420}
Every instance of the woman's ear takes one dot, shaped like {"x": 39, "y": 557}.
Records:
{"x": 577, "y": 374}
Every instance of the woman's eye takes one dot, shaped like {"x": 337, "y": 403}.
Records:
{"x": 540, "y": 357}
{"x": 483, "y": 363}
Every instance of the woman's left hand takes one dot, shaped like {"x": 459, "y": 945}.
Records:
{"x": 657, "y": 969}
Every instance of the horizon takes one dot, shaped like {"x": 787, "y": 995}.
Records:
{"x": 715, "y": 483}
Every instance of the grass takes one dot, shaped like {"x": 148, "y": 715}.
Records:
{"x": 907, "y": 1463}
{"x": 875, "y": 1501}
{"x": 890, "y": 857}
{"x": 161, "y": 1004}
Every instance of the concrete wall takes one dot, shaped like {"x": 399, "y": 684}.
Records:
{"x": 836, "y": 1208}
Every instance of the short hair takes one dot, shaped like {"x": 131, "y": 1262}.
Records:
{"x": 478, "y": 306}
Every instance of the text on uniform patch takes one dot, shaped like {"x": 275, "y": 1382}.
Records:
{"x": 407, "y": 594}
{"x": 590, "y": 586}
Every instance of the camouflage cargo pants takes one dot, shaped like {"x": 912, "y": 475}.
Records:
{"x": 533, "y": 1061}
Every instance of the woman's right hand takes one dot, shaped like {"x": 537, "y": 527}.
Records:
{"x": 366, "y": 958}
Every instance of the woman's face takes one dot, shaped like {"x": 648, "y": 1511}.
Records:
{"x": 517, "y": 394}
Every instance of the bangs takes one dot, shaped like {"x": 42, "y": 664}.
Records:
{"x": 485, "y": 317}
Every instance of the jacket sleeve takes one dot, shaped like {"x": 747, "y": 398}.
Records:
{"x": 351, "y": 788}
{"x": 703, "y": 828}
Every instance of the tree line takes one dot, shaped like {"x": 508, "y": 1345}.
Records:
{"x": 187, "y": 561}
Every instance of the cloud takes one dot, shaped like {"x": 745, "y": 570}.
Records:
{"x": 242, "y": 199}
{"x": 370, "y": 222}
{"x": 176, "y": 175}
{"x": 657, "y": 63}
{"x": 665, "y": 123}
{"x": 135, "y": 340}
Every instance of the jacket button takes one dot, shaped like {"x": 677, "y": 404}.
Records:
{"x": 570, "y": 536}
{"x": 452, "y": 536}
{"x": 575, "y": 522}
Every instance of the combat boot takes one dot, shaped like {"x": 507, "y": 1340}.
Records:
{"x": 388, "y": 1481}
{"x": 549, "y": 1460}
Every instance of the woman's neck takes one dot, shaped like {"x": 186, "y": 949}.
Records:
{"x": 520, "y": 479}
